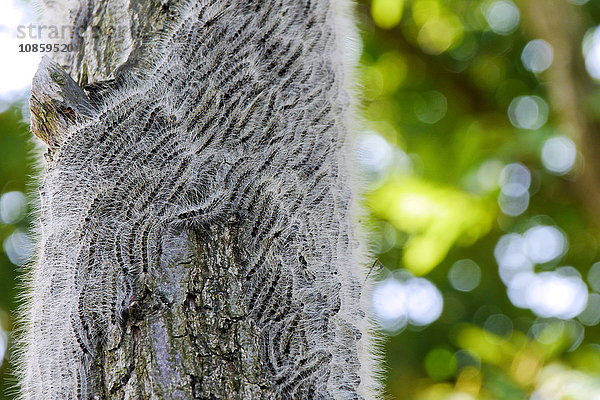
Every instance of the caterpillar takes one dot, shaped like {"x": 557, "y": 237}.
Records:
{"x": 198, "y": 233}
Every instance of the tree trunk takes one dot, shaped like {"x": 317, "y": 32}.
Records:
{"x": 198, "y": 235}
{"x": 562, "y": 25}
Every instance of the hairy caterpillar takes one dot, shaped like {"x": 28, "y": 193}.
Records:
{"x": 198, "y": 234}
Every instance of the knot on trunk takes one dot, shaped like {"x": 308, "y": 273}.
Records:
{"x": 57, "y": 102}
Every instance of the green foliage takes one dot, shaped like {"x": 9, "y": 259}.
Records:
{"x": 440, "y": 81}
{"x": 15, "y": 171}
{"x": 433, "y": 215}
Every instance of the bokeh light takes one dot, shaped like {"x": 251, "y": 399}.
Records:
{"x": 3, "y": 345}
{"x": 556, "y": 382}
{"x": 544, "y": 243}
{"x": 387, "y": 13}
{"x": 12, "y": 207}
{"x": 514, "y": 181}
{"x": 425, "y": 302}
{"x": 502, "y": 16}
{"x": 399, "y": 302}
{"x": 488, "y": 175}
{"x": 500, "y": 325}
{"x": 440, "y": 363}
{"x": 560, "y": 294}
{"x": 537, "y": 55}
{"x": 591, "y": 51}
{"x": 430, "y": 107}
{"x": 559, "y": 155}
{"x": 375, "y": 153}
{"x": 528, "y": 112}
{"x": 18, "y": 247}
{"x": 591, "y": 314}
{"x": 511, "y": 256}
{"x": 464, "y": 275}
{"x": 390, "y": 304}
{"x": 594, "y": 277}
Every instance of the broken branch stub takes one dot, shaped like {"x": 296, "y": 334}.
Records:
{"x": 57, "y": 102}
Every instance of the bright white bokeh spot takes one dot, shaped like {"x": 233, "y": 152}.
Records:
{"x": 511, "y": 255}
{"x": 518, "y": 287}
{"x": 425, "y": 302}
{"x": 513, "y": 205}
{"x": 399, "y": 302}
{"x": 591, "y": 52}
{"x": 537, "y": 55}
{"x": 510, "y": 251}
{"x": 390, "y": 304}
{"x": 502, "y": 17}
{"x": 464, "y": 275}
{"x": 375, "y": 152}
{"x": 515, "y": 179}
{"x": 594, "y": 277}
{"x": 12, "y": 207}
{"x": 18, "y": 247}
{"x": 528, "y": 112}
{"x": 559, "y": 155}
{"x": 558, "y": 382}
{"x": 559, "y": 294}
{"x": 591, "y": 315}
{"x": 544, "y": 243}
{"x": 579, "y": 2}
{"x": 16, "y": 75}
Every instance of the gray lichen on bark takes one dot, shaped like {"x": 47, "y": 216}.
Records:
{"x": 198, "y": 235}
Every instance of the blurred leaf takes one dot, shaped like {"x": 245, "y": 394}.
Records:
{"x": 436, "y": 217}
{"x": 387, "y": 13}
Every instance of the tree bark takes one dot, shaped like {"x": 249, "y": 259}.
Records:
{"x": 562, "y": 25}
{"x": 198, "y": 235}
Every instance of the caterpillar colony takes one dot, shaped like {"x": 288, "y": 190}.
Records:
{"x": 198, "y": 224}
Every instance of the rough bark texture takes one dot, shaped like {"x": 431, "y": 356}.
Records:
{"x": 197, "y": 233}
